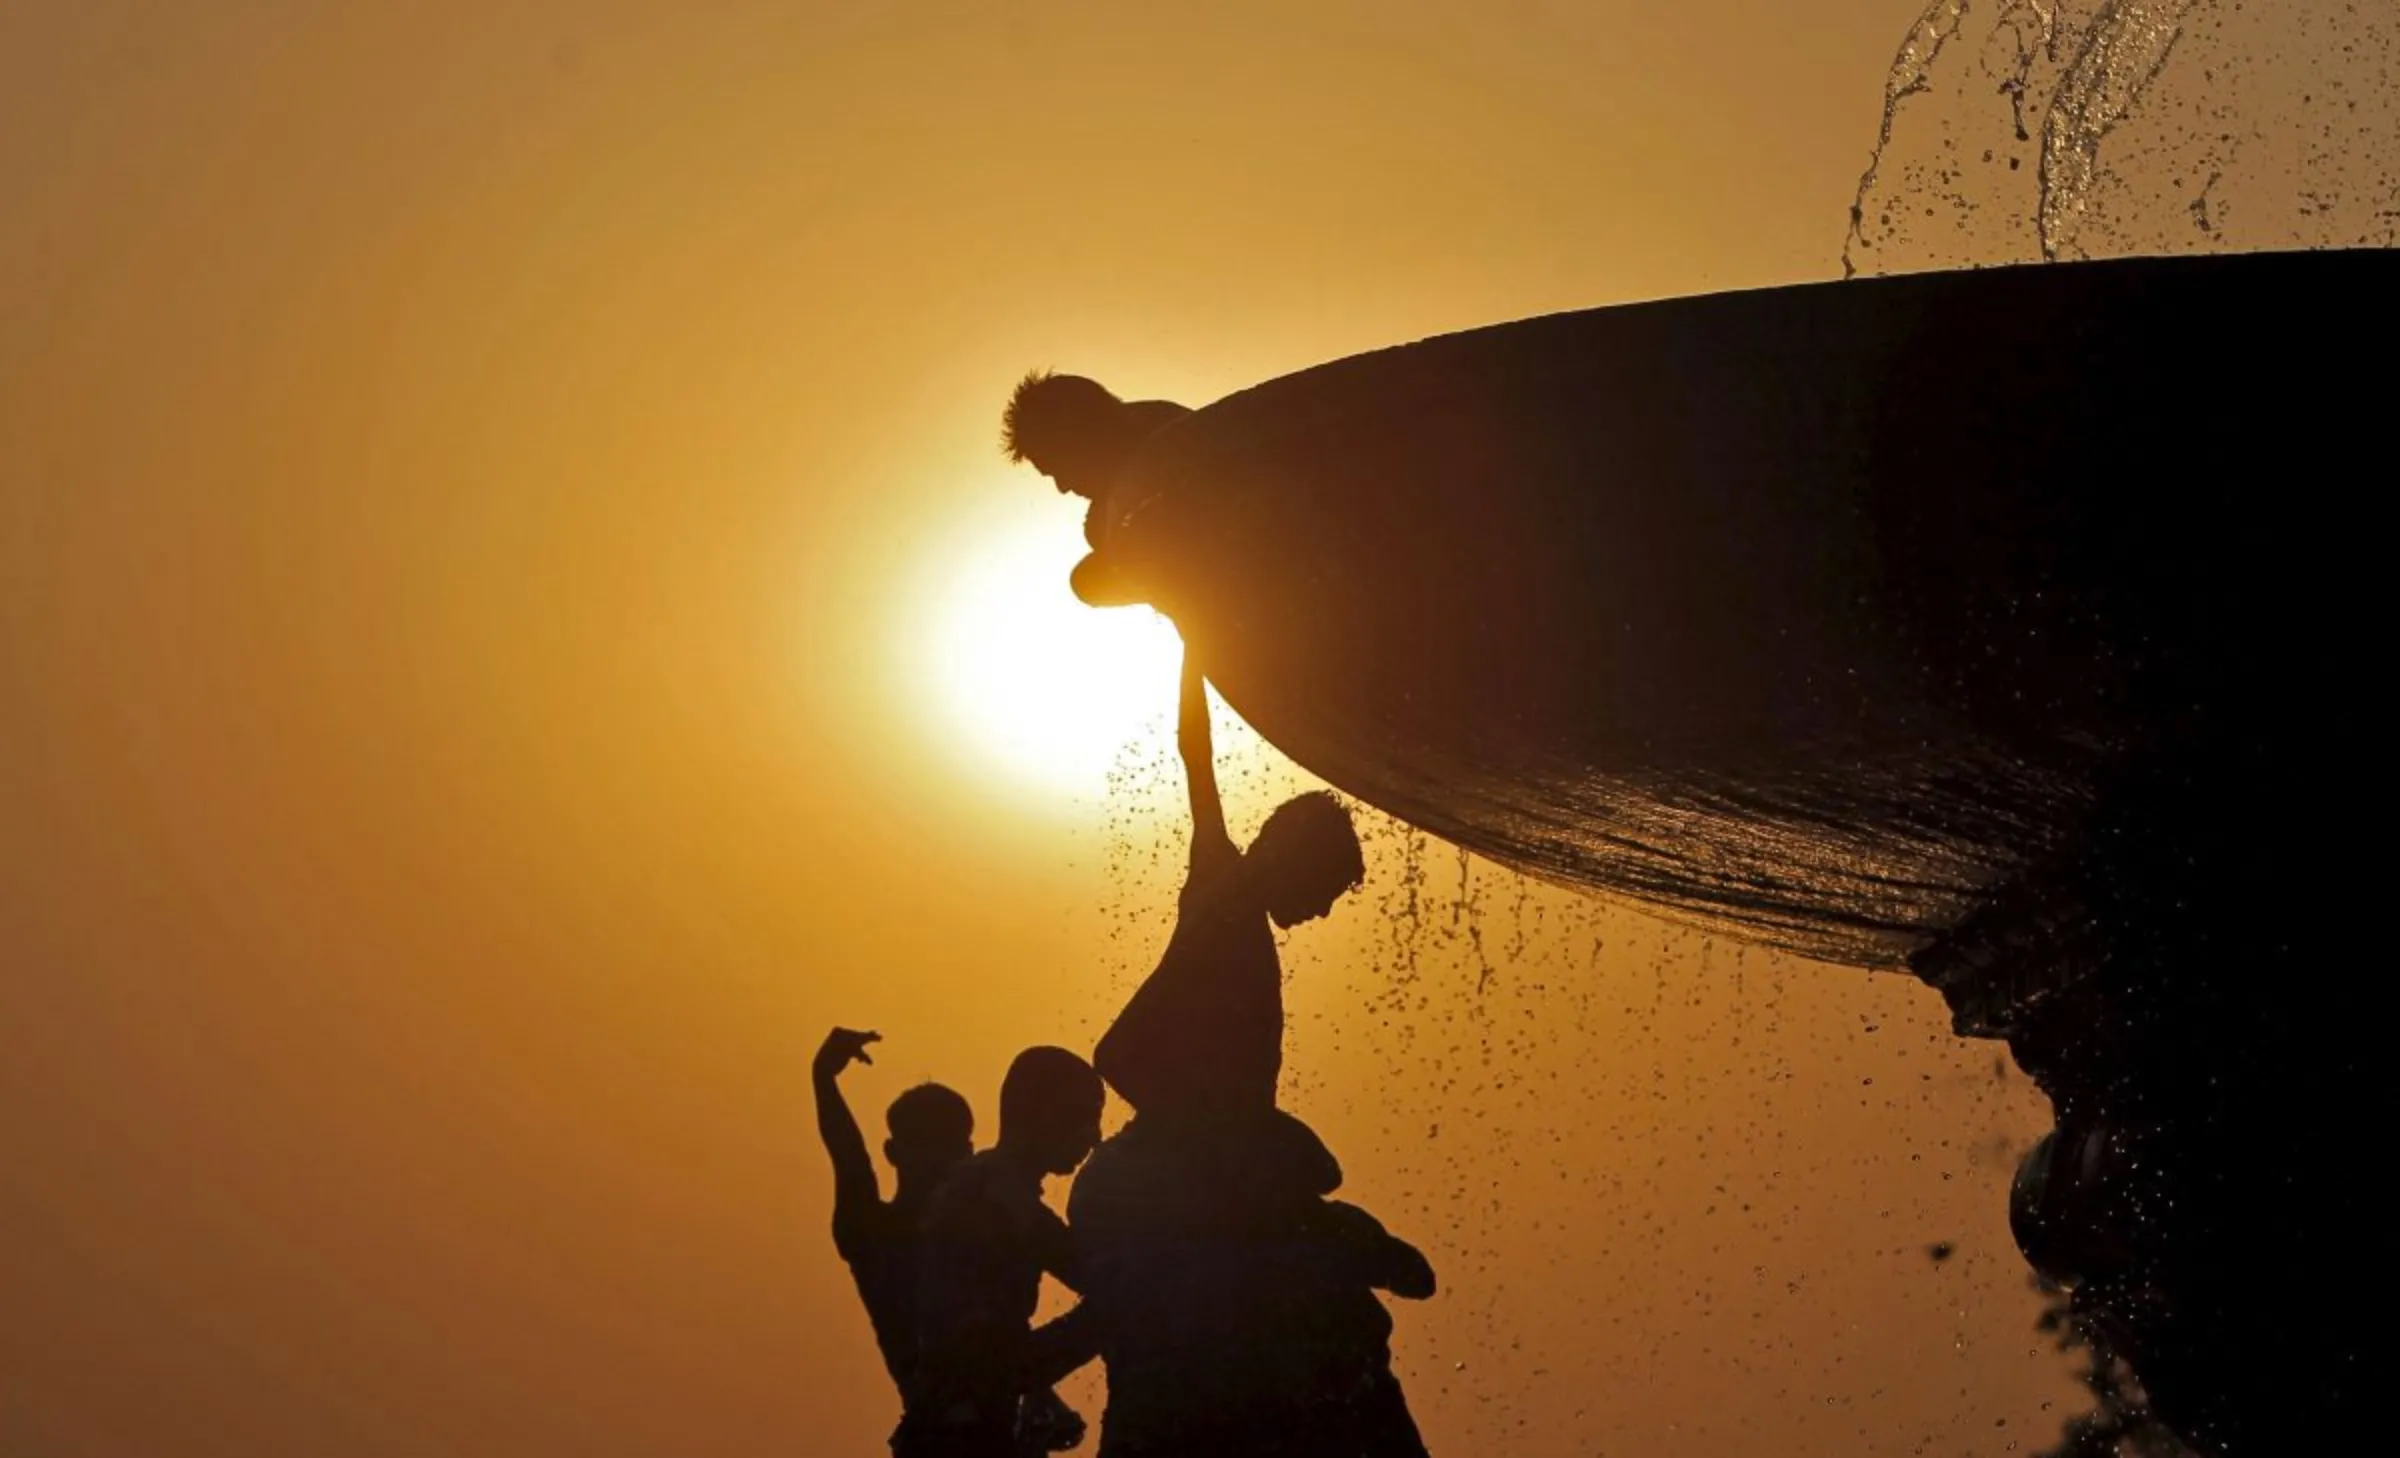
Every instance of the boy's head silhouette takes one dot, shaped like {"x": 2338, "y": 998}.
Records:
{"x": 1050, "y": 1109}
{"x": 931, "y": 1129}
{"x": 1069, "y": 428}
{"x": 1304, "y": 858}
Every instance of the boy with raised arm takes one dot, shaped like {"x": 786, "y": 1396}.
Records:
{"x": 931, "y": 1131}
{"x": 1237, "y": 1302}
{"x": 931, "y": 1137}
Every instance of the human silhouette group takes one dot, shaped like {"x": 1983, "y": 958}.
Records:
{"x": 1232, "y": 1299}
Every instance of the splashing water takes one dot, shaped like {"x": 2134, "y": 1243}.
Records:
{"x": 1623, "y": 1145}
{"x": 2017, "y": 130}
{"x": 2056, "y": 130}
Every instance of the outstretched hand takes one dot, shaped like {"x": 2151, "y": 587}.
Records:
{"x": 841, "y": 1048}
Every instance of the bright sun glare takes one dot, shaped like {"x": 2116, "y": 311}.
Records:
{"x": 1032, "y": 678}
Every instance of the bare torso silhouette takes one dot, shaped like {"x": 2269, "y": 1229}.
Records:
{"x": 876, "y": 1238}
{"x": 1236, "y": 1304}
{"x": 881, "y": 1244}
{"x": 988, "y": 1240}
{"x": 981, "y": 1387}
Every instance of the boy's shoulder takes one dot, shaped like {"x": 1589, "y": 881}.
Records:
{"x": 976, "y": 1177}
{"x": 985, "y": 1193}
{"x": 870, "y": 1230}
{"x": 1155, "y": 414}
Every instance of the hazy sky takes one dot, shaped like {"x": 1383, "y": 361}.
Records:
{"x": 488, "y": 501}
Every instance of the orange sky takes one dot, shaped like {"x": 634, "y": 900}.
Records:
{"x": 464, "y": 475}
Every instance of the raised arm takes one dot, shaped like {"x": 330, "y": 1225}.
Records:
{"x": 854, "y": 1188}
{"x": 1211, "y": 843}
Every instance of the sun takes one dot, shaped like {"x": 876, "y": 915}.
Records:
{"x": 1032, "y": 680}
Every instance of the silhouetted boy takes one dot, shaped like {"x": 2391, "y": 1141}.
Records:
{"x": 932, "y": 1133}
{"x": 1235, "y": 1317}
{"x": 1081, "y": 436}
{"x": 1237, "y": 1303}
{"x": 1200, "y": 1045}
{"x": 988, "y": 1240}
